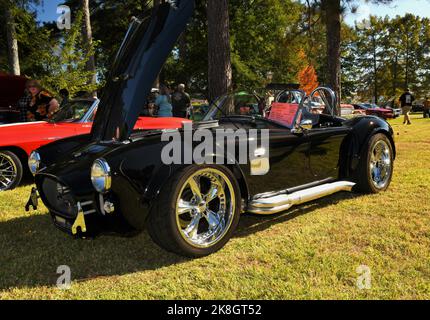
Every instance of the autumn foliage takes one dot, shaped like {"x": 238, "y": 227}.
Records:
{"x": 308, "y": 79}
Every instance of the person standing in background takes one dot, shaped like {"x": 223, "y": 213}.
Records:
{"x": 163, "y": 102}
{"x": 406, "y": 100}
{"x": 181, "y": 102}
{"x": 270, "y": 98}
{"x": 42, "y": 105}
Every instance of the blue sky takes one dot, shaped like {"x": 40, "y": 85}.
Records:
{"x": 397, "y": 7}
{"x": 47, "y": 12}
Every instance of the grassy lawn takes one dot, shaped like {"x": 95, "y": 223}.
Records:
{"x": 309, "y": 252}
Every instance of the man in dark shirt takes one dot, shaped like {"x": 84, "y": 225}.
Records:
{"x": 181, "y": 102}
{"x": 406, "y": 100}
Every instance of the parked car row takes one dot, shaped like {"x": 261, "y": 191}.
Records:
{"x": 418, "y": 106}
{"x": 374, "y": 110}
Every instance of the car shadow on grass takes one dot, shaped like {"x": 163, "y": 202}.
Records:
{"x": 253, "y": 223}
{"x": 31, "y": 249}
{"x": 27, "y": 180}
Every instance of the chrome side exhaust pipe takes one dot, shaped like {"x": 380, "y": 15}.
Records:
{"x": 282, "y": 202}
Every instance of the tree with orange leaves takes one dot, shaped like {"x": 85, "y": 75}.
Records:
{"x": 308, "y": 79}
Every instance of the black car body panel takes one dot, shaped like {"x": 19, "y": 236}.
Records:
{"x": 139, "y": 175}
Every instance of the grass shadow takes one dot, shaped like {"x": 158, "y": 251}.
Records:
{"x": 27, "y": 180}
{"x": 31, "y": 249}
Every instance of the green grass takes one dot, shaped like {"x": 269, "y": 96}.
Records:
{"x": 309, "y": 252}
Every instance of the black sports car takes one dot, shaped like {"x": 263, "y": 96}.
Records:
{"x": 116, "y": 180}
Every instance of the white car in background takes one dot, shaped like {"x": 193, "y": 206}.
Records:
{"x": 348, "y": 110}
{"x": 391, "y": 104}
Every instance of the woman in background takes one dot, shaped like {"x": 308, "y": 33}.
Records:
{"x": 163, "y": 102}
{"x": 42, "y": 105}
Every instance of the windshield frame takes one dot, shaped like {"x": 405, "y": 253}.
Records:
{"x": 216, "y": 106}
{"x": 85, "y": 118}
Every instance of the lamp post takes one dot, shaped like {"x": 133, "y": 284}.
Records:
{"x": 269, "y": 76}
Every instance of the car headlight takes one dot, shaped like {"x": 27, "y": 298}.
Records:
{"x": 101, "y": 176}
{"x": 34, "y": 162}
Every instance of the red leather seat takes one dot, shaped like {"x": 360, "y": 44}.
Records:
{"x": 283, "y": 112}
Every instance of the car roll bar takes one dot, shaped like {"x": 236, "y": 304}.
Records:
{"x": 323, "y": 96}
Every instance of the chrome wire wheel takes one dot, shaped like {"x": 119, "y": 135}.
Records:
{"x": 8, "y": 172}
{"x": 380, "y": 164}
{"x": 205, "y": 208}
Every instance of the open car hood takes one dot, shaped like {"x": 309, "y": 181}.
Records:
{"x": 144, "y": 51}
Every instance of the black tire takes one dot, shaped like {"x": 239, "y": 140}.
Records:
{"x": 162, "y": 222}
{"x": 17, "y": 167}
{"x": 364, "y": 179}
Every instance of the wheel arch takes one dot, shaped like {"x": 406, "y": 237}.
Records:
{"x": 241, "y": 180}
{"x": 352, "y": 148}
{"x": 161, "y": 179}
{"x": 380, "y": 130}
{"x": 147, "y": 188}
{"x": 390, "y": 137}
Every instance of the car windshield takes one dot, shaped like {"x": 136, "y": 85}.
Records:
{"x": 369, "y": 106}
{"x": 282, "y": 110}
{"x": 294, "y": 96}
{"x": 73, "y": 111}
{"x": 238, "y": 104}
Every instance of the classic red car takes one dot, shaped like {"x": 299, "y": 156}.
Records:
{"x": 374, "y": 110}
{"x": 18, "y": 140}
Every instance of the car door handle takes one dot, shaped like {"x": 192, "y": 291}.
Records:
{"x": 260, "y": 164}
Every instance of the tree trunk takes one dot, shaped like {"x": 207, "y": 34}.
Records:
{"x": 333, "y": 25}
{"x": 395, "y": 66}
{"x": 219, "y": 56}
{"x": 88, "y": 38}
{"x": 375, "y": 70}
{"x": 182, "y": 45}
{"x": 157, "y": 80}
{"x": 407, "y": 61}
{"x": 12, "y": 43}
